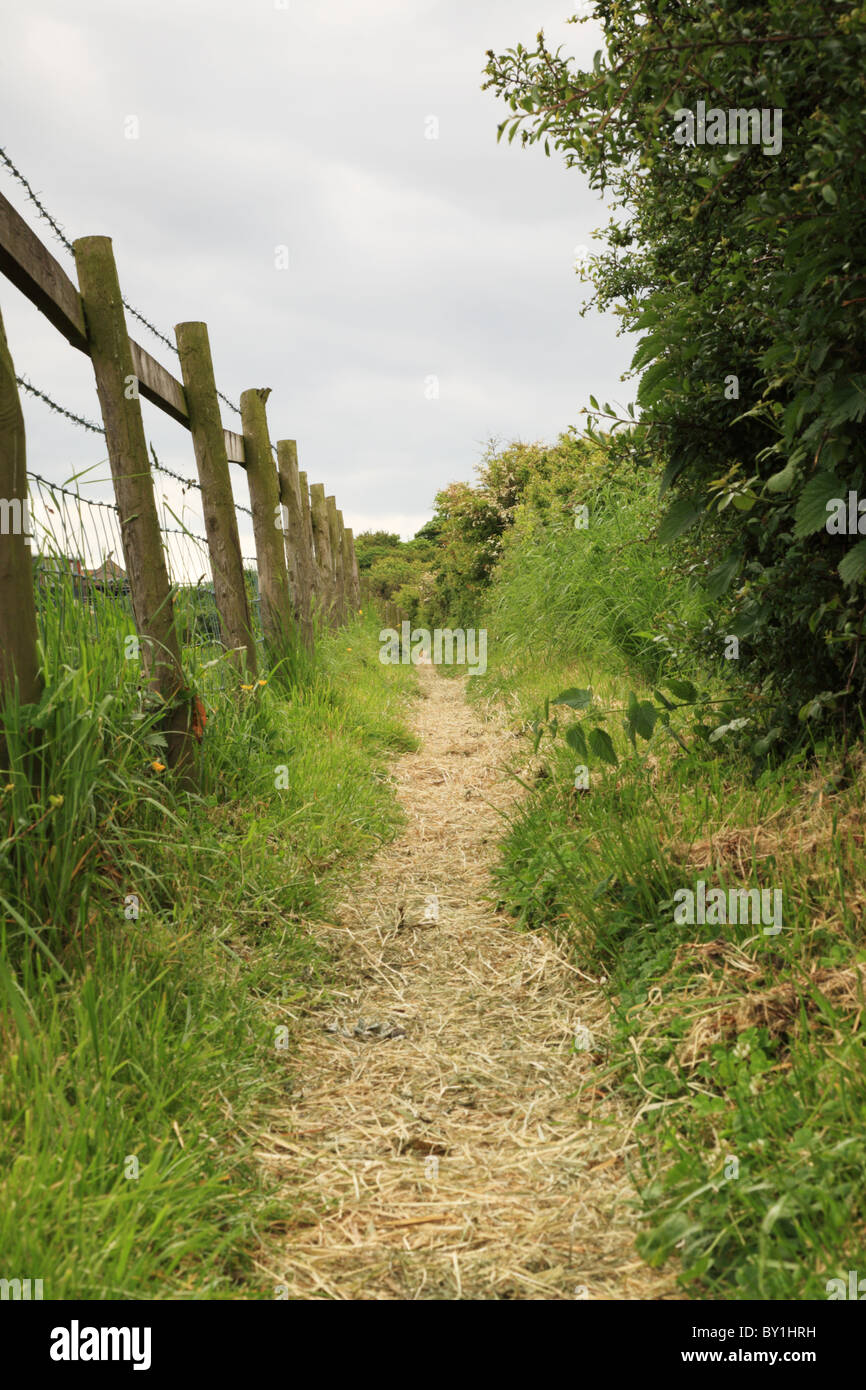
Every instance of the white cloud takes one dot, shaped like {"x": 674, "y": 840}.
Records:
{"x": 407, "y": 257}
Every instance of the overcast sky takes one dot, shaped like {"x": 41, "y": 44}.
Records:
{"x": 305, "y": 125}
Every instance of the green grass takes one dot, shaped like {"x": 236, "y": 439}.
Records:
{"x": 743, "y": 1052}
{"x": 152, "y": 946}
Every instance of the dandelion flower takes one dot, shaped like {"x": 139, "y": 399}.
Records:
{"x": 247, "y": 687}
{"x": 262, "y": 682}
{"x": 158, "y": 766}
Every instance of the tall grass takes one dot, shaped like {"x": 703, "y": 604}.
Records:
{"x": 603, "y": 596}
{"x": 152, "y": 940}
{"x": 743, "y": 1052}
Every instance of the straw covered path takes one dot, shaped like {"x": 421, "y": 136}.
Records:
{"x": 444, "y": 1138}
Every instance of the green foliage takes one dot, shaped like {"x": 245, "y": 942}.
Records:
{"x": 604, "y": 648}
{"x": 734, "y": 263}
{"x": 689, "y": 1045}
{"x": 604, "y": 592}
{"x": 152, "y": 1036}
{"x": 371, "y": 546}
{"x": 399, "y": 570}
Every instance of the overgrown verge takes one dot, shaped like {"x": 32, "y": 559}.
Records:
{"x": 742, "y": 1045}
{"x": 153, "y": 957}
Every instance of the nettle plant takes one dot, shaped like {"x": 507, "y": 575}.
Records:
{"x": 702, "y": 719}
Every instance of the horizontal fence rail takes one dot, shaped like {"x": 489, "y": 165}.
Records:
{"x": 175, "y": 589}
{"x": 37, "y": 274}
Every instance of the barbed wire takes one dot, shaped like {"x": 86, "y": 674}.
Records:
{"x": 60, "y": 409}
{"x": 40, "y": 207}
{"x": 67, "y": 245}
{"x": 112, "y": 507}
{"x": 187, "y": 482}
{"x": 58, "y": 487}
{"x": 182, "y": 531}
{"x": 98, "y": 429}
{"x": 161, "y": 468}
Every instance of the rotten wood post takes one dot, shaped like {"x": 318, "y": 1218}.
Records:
{"x": 336, "y": 561}
{"x": 352, "y": 571}
{"x": 298, "y": 549}
{"x": 19, "y": 662}
{"x": 324, "y": 562}
{"x": 117, "y": 388}
{"x": 277, "y": 621}
{"x": 218, "y": 507}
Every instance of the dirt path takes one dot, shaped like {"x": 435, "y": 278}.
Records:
{"x": 469, "y": 1154}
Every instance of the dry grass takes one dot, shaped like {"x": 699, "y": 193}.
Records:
{"x": 445, "y": 1139}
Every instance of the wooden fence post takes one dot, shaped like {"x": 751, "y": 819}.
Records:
{"x": 267, "y": 521}
{"x": 336, "y": 560}
{"x": 297, "y": 540}
{"x": 218, "y": 507}
{"x": 117, "y": 388}
{"x": 324, "y": 563}
{"x": 352, "y": 570}
{"x": 350, "y": 607}
{"x": 18, "y": 657}
{"x": 310, "y": 541}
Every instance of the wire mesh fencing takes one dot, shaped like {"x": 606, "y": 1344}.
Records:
{"x": 81, "y": 587}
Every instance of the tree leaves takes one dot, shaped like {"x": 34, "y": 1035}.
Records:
{"x": 853, "y": 566}
{"x": 681, "y": 515}
{"x": 720, "y": 579}
{"x": 732, "y": 267}
{"x": 783, "y": 481}
{"x": 811, "y": 513}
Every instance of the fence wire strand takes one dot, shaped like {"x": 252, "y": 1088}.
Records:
{"x": 61, "y": 236}
{"x": 77, "y": 553}
{"x": 98, "y": 429}
{"x": 81, "y": 584}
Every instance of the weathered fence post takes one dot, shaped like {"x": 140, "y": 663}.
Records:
{"x": 345, "y": 569}
{"x": 297, "y": 539}
{"x": 117, "y": 388}
{"x": 336, "y": 560}
{"x": 352, "y": 570}
{"x": 218, "y": 507}
{"x": 277, "y": 621}
{"x": 324, "y": 563}
{"x": 310, "y": 542}
{"x": 18, "y": 657}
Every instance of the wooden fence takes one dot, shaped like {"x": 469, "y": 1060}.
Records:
{"x": 308, "y": 572}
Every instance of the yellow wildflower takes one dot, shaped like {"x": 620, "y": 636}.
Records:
{"x": 158, "y": 766}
